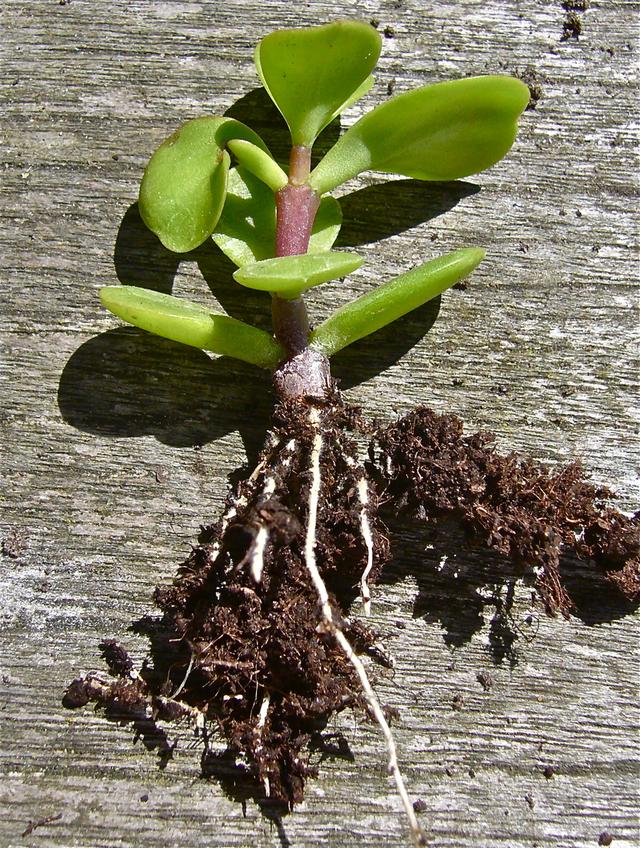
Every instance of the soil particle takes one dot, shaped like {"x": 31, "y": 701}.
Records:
{"x": 485, "y": 680}
{"x": 15, "y": 543}
{"x": 116, "y": 658}
{"x": 605, "y": 838}
{"x": 571, "y": 27}
{"x": 530, "y": 78}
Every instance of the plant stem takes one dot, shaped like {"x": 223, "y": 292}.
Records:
{"x": 303, "y": 373}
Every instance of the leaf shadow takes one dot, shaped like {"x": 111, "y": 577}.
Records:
{"x": 258, "y": 111}
{"x": 365, "y": 359}
{"x": 128, "y": 383}
{"x": 379, "y": 211}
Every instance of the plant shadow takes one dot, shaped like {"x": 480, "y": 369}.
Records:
{"x": 128, "y": 383}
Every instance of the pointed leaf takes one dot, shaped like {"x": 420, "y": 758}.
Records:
{"x": 289, "y": 276}
{"x": 439, "y": 132}
{"x": 393, "y": 299}
{"x": 246, "y": 231}
{"x": 184, "y": 185}
{"x": 313, "y": 74}
{"x": 192, "y": 324}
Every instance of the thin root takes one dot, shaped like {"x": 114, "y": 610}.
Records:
{"x": 327, "y": 614}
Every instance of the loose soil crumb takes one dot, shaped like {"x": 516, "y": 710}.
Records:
{"x": 530, "y": 78}
{"x": 575, "y": 5}
{"x": 485, "y": 680}
{"x": 571, "y": 26}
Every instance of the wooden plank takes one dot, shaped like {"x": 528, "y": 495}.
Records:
{"x": 116, "y": 446}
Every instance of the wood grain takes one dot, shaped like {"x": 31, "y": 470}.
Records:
{"x": 117, "y": 446}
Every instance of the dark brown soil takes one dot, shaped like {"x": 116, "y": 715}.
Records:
{"x": 517, "y": 507}
{"x": 256, "y": 659}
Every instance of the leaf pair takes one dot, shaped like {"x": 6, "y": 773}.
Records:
{"x": 189, "y": 323}
{"x": 438, "y": 132}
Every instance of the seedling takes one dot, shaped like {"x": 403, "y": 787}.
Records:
{"x": 262, "y": 604}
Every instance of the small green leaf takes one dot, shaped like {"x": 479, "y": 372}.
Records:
{"x": 246, "y": 231}
{"x": 184, "y": 185}
{"x": 393, "y": 299}
{"x": 289, "y": 276}
{"x": 192, "y": 324}
{"x": 439, "y": 132}
{"x": 259, "y": 163}
{"x": 313, "y": 74}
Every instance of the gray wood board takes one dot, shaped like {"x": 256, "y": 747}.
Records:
{"x": 116, "y": 446}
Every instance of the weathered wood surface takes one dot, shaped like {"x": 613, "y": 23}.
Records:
{"x": 117, "y": 446}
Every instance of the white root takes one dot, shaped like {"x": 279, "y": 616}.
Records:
{"x": 257, "y": 552}
{"x": 262, "y": 717}
{"x": 363, "y": 494}
{"x": 341, "y": 639}
{"x": 184, "y": 679}
{"x": 365, "y": 529}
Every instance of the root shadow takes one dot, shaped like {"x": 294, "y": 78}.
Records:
{"x": 462, "y": 587}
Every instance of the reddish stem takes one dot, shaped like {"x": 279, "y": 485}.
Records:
{"x": 296, "y": 207}
{"x": 304, "y": 372}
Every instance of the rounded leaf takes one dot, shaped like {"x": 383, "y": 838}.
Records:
{"x": 189, "y": 323}
{"x": 438, "y": 132}
{"x": 184, "y": 185}
{"x": 289, "y": 276}
{"x": 313, "y": 74}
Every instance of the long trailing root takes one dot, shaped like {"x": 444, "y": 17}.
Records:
{"x": 335, "y": 630}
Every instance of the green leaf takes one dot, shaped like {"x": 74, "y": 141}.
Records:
{"x": 439, "y": 132}
{"x": 393, "y": 299}
{"x": 192, "y": 324}
{"x": 313, "y": 74}
{"x": 184, "y": 185}
{"x": 289, "y": 276}
{"x": 246, "y": 231}
{"x": 259, "y": 163}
